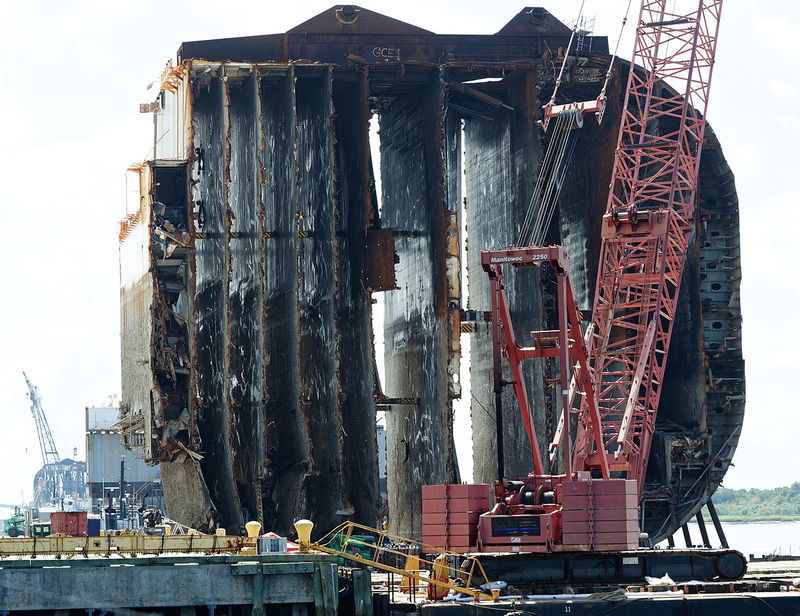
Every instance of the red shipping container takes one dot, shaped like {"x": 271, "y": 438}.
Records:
{"x": 70, "y": 523}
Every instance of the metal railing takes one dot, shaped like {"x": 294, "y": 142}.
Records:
{"x": 391, "y": 553}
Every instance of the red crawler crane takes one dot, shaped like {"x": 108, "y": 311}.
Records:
{"x": 616, "y": 370}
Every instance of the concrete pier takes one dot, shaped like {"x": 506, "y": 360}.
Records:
{"x": 304, "y": 583}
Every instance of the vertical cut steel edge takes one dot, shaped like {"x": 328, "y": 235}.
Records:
{"x": 288, "y": 439}
{"x": 245, "y": 292}
{"x": 355, "y": 349}
{"x": 415, "y": 321}
{"x": 451, "y": 237}
{"x": 211, "y": 305}
{"x": 317, "y": 347}
{"x": 186, "y": 492}
{"x": 502, "y": 156}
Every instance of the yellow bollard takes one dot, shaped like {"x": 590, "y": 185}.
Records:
{"x": 220, "y": 532}
{"x": 304, "y": 528}
{"x": 495, "y": 594}
{"x": 253, "y": 528}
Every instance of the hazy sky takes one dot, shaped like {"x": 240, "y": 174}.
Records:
{"x": 74, "y": 73}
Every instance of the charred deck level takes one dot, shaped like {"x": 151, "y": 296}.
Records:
{"x": 250, "y": 265}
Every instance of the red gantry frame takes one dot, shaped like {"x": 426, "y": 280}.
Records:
{"x": 565, "y": 343}
{"x": 553, "y": 512}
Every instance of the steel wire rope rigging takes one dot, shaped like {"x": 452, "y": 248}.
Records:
{"x": 553, "y": 168}
{"x": 550, "y": 180}
{"x": 561, "y": 146}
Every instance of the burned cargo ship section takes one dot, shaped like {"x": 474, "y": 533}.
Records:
{"x": 250, "y": 267}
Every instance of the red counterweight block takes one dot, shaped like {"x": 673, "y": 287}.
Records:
{"x": 600, "y": 514}
{"x": 450, "y": 515}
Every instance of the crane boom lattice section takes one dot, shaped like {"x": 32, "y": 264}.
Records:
{"x": 647, "y": 224}
{"x": 47, "y": 444}
{"x": 50, "y": 486}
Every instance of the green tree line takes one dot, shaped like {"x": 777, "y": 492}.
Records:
{"x": 754, "y": 504}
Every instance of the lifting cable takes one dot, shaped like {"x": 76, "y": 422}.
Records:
{"x": 616, "y": 50}
{"x": 560, "y": 148}
{"x": 550, "y": 180}
{"x": 552, "y": 170}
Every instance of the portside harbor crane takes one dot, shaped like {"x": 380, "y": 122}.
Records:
{"x": 49, "y": 490}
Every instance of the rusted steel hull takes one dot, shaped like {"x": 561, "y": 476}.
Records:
{"x": 248, "y": 355}
{"x": 279, "y": 346}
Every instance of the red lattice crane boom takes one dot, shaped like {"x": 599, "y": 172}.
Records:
{"x": 646, "y": 227}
